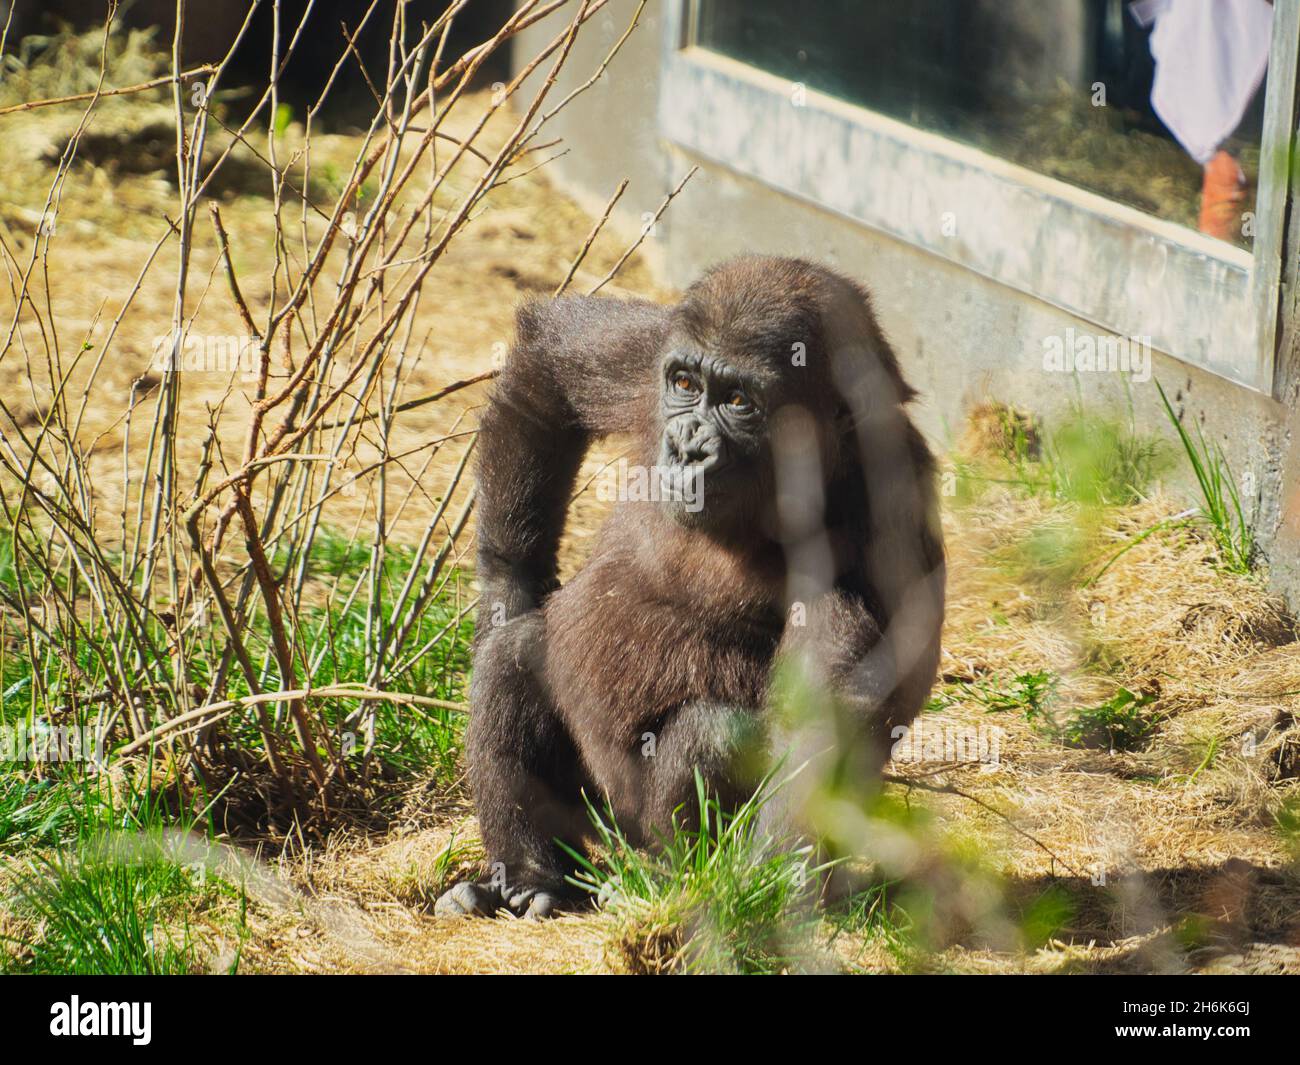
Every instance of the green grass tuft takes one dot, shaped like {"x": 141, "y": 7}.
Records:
{"x": 1221, "y": 506}
{"x": 116, "y": 903}
{"x": 722, "y": 896}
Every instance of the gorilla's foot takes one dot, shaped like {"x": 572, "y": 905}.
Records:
{"x": 483, "y": 900}
{"x": 467, "y": 900}
{"x": 534, "y": 904}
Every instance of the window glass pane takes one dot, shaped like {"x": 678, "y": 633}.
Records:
{"x": 1157, "y": 105}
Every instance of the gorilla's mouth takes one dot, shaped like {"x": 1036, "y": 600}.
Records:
{"x": 686, "y": 484}
{"x": 698, "y": 489}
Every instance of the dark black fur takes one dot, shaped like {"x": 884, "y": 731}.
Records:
{"x": 672, "y": 628}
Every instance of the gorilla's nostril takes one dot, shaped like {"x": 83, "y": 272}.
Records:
{"x": 693, "y": 443}
{"x": 696, "y": 451}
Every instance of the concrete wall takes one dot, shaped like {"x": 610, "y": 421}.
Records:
{"x": 962, "y": 339}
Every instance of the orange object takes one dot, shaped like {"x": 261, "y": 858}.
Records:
{"x": 1222, "y": 194}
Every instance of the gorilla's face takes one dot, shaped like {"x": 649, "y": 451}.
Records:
{"x": 714, "y": 457}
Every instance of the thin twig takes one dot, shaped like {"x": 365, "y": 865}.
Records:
{"x": 591, "y": 238}
{"x": 948, "y": 789}
{"x": 144, "y": 86}
{"x": 645, "y": 232}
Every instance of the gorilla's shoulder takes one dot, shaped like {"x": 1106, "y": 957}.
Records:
{"x": 576, "y": 321}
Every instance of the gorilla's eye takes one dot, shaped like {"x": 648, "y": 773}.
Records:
{"x": 739, "y": 402}
{"x": 684, "y": 384}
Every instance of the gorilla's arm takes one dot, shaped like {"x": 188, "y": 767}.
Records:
{"x": 877, "y": 676}
{"x": 581, "y": 368}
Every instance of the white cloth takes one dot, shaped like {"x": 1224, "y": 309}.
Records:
{"x": 1211, "y": 56}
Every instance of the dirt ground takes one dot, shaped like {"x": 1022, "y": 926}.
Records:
{"x": 1182, "y": 829}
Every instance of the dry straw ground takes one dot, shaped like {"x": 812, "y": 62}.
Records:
{"x": 1169, "y": 855}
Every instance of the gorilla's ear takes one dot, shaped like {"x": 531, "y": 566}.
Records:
{"x": 843, "y": 419}
{"x": 863, "y": 366}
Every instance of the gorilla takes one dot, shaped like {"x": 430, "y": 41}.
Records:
{"x": 792, "y": 521}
